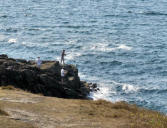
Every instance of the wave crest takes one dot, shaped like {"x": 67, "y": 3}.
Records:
{"x": 12, "y": 40}
{"x": 106, "y": 48}
{"x": 123, "y": 46}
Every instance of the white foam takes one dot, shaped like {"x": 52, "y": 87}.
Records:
{"x": 102, "y": 47}
{"x": 104, "y": 93}
{"x": 24, "y": 43}
{"x": 124, "y": 47}
{"x": 99, "y": 46}
{"x": 12, "y": 40}
{"x": 29, "y": 44}
{"x": 108, "y": 89}
{"x": 72, "y": 55}
{"x": 129, "y": 88}
{"x": 106, "y": 48}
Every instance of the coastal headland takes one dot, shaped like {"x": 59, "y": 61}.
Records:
{"x": 45, "y": 80}
{"x": 32, "y": 97}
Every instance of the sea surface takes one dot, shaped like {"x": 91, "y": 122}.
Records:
{"x": 119, "y": 44}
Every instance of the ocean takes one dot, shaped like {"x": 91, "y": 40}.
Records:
{"x": 121, "y": 45}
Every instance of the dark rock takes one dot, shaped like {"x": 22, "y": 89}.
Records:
{"x": 21, "y": 60}
{"x": 94, "y": 85}
{"x": 3, "y": 56}
{"x": 46, "y": 80}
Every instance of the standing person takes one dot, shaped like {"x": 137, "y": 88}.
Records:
{"x": 62, "y": 75}
{"x": 38, "y": 62}
{"x": 62, "y": 56}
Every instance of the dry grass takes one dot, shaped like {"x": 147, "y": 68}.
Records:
{"x": 6, "y": 122}
{"x": 9, "y": 87}
{"x": 3, "y": 113}
{"x": 134, "y": 116}
{"x": 31, "y": 110}
{"x": 148, "y": 119}
{"x": 10, "y": 123}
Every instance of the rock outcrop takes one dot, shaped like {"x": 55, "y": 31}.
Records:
{"x": 45, "y": 80}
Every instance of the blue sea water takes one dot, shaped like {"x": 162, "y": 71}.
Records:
{"x": 119, "y": 44}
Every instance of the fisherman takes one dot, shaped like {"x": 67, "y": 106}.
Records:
{"x": 38, "y": 62}
{"x": 62, "y": 56}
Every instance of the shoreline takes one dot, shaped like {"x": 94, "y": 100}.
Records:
{"x": 35, "y": 106}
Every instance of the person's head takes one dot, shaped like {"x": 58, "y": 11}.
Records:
{"x": 38, "y": 57}
{"x": 63, "y": 50}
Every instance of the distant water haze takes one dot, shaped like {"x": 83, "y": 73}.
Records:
{"x": 121, "y": 45}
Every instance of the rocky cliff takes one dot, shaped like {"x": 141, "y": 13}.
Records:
{"x": 45, "y": 80}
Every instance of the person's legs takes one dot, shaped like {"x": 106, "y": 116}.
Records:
{"x": 62, "y": 60}
{"x": 62, "y": 80}
{"x": 38, "y": 66}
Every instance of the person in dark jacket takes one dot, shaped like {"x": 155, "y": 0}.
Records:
{"x": 62, "y": 56}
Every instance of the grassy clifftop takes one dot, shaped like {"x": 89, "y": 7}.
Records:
{"x": 19, "y": 109}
